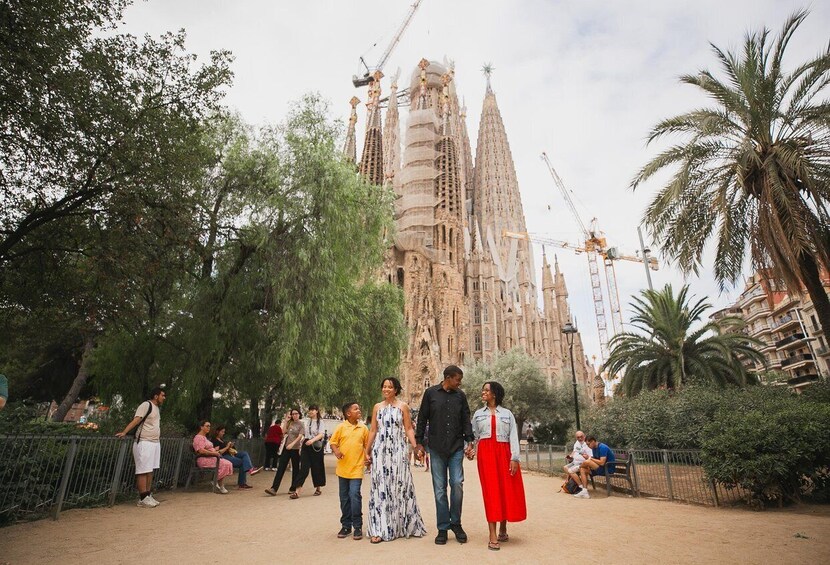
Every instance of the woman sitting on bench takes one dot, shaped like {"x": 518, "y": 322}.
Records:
{"x": 206, "y": 456}
{"x": 239, "y": 459}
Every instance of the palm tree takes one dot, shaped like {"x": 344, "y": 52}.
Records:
{"x": 752, "y": 170}
{"x": 670, "y": 351}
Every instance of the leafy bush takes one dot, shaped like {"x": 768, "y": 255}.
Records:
{"x": 775, "y": 453}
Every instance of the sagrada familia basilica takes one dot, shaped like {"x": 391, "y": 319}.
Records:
{"x": 469, "y": 292}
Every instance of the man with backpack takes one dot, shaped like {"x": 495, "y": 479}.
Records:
{"x": 146, "y": 449}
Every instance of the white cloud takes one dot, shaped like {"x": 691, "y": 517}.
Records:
{"x": 582, "y": 80}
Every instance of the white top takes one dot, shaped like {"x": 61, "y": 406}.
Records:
{"x": 150, "y": 430}
{"x": 581, "y": 452}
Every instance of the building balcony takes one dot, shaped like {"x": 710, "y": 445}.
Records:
{"x": 754, "y": 313}
{"x": 756, "y": 295}
{"x": 766, "y": 347}
{"x": 802, "y": 380}
{"x": 791, "y": 341}
{"x": 760, "y": 330}
{"x": 823, "y": 351}
{"x": 785, "y": 322}
{"x": 796, "y": 361}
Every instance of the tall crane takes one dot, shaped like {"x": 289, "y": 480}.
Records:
{"x": 609, "y": 255}
{"x": 369, "y": 72}
{"x": 595, "y": 245}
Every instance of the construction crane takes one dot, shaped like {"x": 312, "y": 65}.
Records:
{"x": 595, "y": 245}
{"x": 369, "y": 72}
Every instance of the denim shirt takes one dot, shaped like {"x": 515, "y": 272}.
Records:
{"x": 505, "y": 428}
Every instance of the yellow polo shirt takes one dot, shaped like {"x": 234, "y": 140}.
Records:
{"x": 352, "y": 440}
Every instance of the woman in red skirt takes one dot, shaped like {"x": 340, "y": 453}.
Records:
{"x": 497, "y": 449}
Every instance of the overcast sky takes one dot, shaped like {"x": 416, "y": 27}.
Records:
{"x": 583, "y": 80}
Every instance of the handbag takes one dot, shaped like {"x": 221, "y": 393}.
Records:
{"x": 317, "y": 446}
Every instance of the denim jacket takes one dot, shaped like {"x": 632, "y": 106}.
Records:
{"x": 505, "y": 428}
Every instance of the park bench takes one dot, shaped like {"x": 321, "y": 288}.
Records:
{"x": 196, "y": 471}
{"x": 622, "y": 470}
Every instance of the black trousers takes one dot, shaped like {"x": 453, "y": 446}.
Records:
{"x": 294, "y": 456}
{"x": 271, "y": 454}
{"x": 312, "y": 461}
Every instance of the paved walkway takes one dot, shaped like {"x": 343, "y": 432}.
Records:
{"x": 249, "y": 527}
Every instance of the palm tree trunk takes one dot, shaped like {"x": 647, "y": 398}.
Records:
{"x": 821, "y": 302}
{"x": 78, "y": 383}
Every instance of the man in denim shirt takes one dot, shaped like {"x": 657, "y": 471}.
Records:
{"x": 444, "y": 407}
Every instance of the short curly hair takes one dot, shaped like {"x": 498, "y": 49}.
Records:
{"x": 497, "y": 390}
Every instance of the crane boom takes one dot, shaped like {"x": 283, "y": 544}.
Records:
{"x": 367, "y": 76}
{"x": 561, "y": 186}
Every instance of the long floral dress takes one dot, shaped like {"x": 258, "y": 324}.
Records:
{"x": 393, "y": 509}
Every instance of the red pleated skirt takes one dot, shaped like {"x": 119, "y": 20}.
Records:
{"x": 504, "y": 496}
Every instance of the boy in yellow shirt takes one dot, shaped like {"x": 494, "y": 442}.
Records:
{"x": 349, "y": 442}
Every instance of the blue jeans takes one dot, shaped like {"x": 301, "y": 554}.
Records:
{"x": 351, "y": 503}
{"x": 243, "y": 461}
{"x": 448, "y": 512}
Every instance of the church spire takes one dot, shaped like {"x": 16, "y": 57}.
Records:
{"x": 371, "y": 163}
{"x": 497, "y": 201}
{"x": 350, "y": 147}
{"x": 391, "y": 134}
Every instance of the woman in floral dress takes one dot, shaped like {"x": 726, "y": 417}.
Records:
{"x": 393, "y": 510}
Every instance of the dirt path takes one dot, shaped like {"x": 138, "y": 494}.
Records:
{"x": 250, "y": 527}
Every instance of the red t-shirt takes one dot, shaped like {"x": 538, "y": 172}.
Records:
{"x": 274, "y": 434}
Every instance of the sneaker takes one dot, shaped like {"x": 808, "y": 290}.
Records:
{"x": 460, "y": 534}
{"x": 358, "y": 533}
{"x": 153, "y": 500}
{"x": 255, "y": 470}
{"x": 441, "y": 538}
{"x": 220, "y": 489}
{"x": 344, "y": 532}
{"x": 582, "y": 493}
{"x": 146, "y": 503}
{"x": 243, "y": 487}
{"x": 271, "y": 491}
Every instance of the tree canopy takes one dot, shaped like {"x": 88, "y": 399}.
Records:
{"x": 752, "y": 171}
{"x": 673, "y": 347}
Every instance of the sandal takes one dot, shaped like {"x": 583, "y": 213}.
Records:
{"x": 504, "y": 537}
{"x": 376, "y": 539}
{"x": 318, "y": 492}
{"x": 294, "y": 495}
{"x": 493, "y": 546}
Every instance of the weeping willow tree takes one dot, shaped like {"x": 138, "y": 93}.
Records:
{"x": 672, "y": 347}
{"x": 280, "y": 295}
{"x": 753, "y": 170}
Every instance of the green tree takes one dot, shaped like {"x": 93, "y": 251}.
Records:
{"x": 88, "y": 112}
{"x": 752, "y": 170}
{"x": 673, "y": 347}
{"x": 527, "y": 392}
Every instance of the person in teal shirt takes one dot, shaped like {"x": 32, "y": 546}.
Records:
{"x": 4, "y": 391}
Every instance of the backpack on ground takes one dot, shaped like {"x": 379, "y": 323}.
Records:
{"x": 571, "y": 486}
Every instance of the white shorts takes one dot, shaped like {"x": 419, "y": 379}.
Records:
{"x": 573, "y": 467}
{"x": 147, "y": 455}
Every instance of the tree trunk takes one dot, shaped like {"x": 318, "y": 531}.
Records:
{"x": 204, "y": 406}
{"x": 253, "y": 414}
{"x": 821, "y": 302}
{"x": 78, "y": 383}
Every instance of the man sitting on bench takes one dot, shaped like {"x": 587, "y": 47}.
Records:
{"x": 595, "y": 465}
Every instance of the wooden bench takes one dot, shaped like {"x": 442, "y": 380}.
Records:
{"x": 196, "y": 471}
{"x": 622, "y": 470}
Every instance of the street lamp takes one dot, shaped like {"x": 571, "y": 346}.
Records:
{"x": 569, "y": 330}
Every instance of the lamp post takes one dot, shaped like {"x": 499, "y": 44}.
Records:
{"x": 569, "y": 330}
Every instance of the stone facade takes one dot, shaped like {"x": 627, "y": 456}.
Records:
{"x": 469, "y": 293}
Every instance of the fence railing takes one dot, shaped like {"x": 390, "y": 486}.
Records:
{"x": 42, "y": 475}
{"x": 675, "y": 474}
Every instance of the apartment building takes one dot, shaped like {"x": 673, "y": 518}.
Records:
{"x": 788, "y": 328}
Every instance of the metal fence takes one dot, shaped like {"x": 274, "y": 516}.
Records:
{"x": 671, "y": 474}
{"x": 42, "y": 475}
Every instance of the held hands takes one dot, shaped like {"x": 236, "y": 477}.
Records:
{"x": 514, "y": 467}
{"x": 470, "y": 452}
